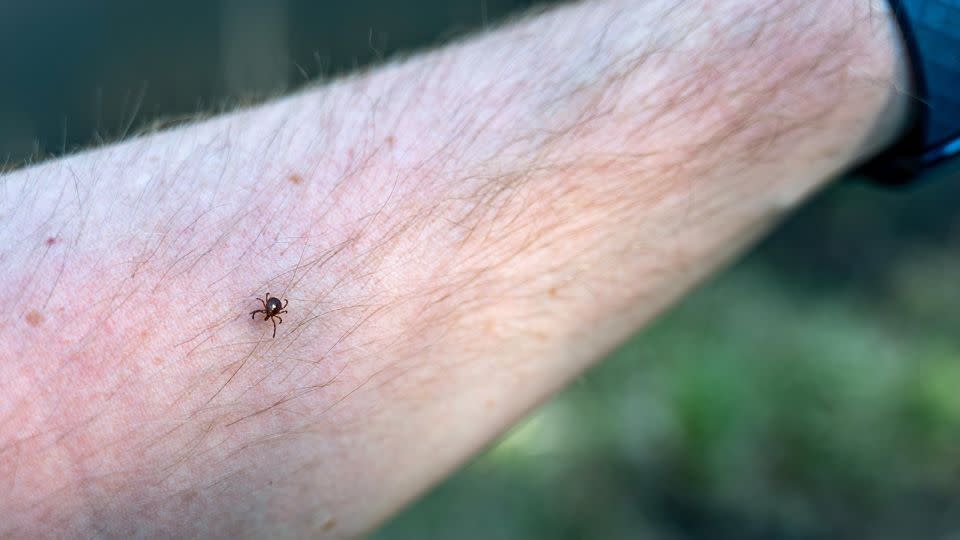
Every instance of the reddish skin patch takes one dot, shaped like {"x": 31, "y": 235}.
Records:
{"x": 51, "y": 241}
{"x": 489, "y": 327}
{"x": 157, "y": 360}
{"x": 34, "y": 318}
{"x": 295, "y": 179}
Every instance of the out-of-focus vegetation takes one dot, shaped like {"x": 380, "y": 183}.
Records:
{"x": 809, "y": 392}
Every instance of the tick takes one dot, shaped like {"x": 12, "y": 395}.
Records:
{"x": 272, "y": 308}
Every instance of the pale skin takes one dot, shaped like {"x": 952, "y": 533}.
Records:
{"x": 459, "y": 235}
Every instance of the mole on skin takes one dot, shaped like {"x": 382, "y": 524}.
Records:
{"x": 34, "y": 318}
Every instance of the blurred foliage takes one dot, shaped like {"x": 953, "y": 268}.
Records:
{"x": 808, "y": 392}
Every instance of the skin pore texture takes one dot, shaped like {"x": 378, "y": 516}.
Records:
{"x": 459, "y": 234}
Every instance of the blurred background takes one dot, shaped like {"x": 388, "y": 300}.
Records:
{"x": 811, "y": 391}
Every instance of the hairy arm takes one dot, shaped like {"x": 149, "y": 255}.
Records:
{"x": 458, "y": 234}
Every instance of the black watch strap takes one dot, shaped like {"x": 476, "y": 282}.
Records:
{"x": 931, "y": 31}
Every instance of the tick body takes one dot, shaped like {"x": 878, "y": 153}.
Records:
{"x": 272, "y": 308}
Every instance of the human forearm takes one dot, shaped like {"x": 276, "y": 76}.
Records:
{"x": 458, "y": 236}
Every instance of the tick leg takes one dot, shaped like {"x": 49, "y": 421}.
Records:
{"x": 285, "y": 302}
{"x": 274, "y": 328}
{"x": 254, "y": 312}
{"x": 281, "y": 319}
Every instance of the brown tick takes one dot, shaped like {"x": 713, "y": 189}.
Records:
{"x": 272, "y": 308}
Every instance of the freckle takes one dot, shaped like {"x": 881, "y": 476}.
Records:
{"x": 328, "y": 524}
{"x": 144, "y": 334}
{"x": 350, "y": 154}
{"x": 157, "y": 360}
{"x": 295, "y": 179}
{"x": 34, "y": 318}
{"x": 488, "y": 404}
{"x": 553, "y": 292}
{"x": 51, "y": 241}
{"x": 391, "y": 141}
